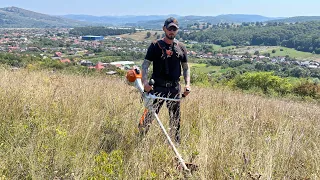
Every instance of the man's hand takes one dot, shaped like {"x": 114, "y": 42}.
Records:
{"x": 147, "y": 87}
{"x": 187, "y": 90}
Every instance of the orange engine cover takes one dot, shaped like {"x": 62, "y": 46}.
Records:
{"x": 133, "y": 74}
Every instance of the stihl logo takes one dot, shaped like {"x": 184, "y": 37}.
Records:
{"x": 169, "y": 53}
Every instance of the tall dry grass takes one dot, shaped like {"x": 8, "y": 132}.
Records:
{"x": 56, "y": 126}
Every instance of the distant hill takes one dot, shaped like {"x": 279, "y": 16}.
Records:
{"x": 297, "y": 19}
{"x": 239, "y": 18}
{"x": 116, "y": 20}
{"x": 156, "y": 21}
{"x": 14, "y": 17}
{"x": 229, "y": 18}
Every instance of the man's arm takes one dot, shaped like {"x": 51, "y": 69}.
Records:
{"x": 186, "y": 73}
{"x": 145, "y": 68}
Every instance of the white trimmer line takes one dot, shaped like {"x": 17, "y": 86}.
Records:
{"x": 148, "y": 100}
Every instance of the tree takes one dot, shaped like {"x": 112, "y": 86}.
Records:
{"x": 148, "y": 34}
{"x": 307, "y": 88}
{"x": 303, "y": 36}
{"x": 247, "y": 54}
{"x": 265, "y": 81}
{"x": 267, "y": 54}
{"x": 298, "y": 72}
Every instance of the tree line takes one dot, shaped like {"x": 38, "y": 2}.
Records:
{"x": 280, "y": 69}
{"x": 100, "y": 31}
{"x": 300, "y": 36}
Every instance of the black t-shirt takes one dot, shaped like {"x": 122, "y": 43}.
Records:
{"x": 172, "y": 71}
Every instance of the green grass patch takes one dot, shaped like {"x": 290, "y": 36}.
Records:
{"x": 215, "y": 47}
{"x": 293, "y": 53}
{"x": 220, "y": 48}
{"x": 105, "y": 59}
{"x": 205, "y": 68}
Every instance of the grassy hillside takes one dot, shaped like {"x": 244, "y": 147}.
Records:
{"x": 13, "y": 17}
{"x": 297, "y": 19}
{"x": 294, "y": 53}
{"x": 204, "y": 68}
{"x": 142, "y": 35}
{"x": 280, "y": 51}
{"x": 56, "y": 126}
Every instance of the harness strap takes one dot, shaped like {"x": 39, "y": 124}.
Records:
{"x": 165, "y": 54}
{"x": 169, "y": 52}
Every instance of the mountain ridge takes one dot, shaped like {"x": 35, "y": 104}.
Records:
{"x": 15, "y": 17}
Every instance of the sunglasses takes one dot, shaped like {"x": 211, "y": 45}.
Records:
{"x": 172, "y": 28}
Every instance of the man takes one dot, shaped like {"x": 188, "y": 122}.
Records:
{"x": 168, "y": 55}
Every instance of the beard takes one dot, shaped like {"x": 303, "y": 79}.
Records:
{"x": 171, "y": 37}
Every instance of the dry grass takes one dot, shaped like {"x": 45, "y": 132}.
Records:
{"x": 141, "y": 35}
{"x": 55, "y": 126}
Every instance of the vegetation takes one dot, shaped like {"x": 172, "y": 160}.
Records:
{"x": 262, "y": 81}
{"x": 280, "y": 69}
{"x": 59, "y": 126}
{"x": 300, "y": 36}
{"x": 99, "y": 31}
{"x": 241, "y": 74}
{"x": 143, "y": 36}
{"x": 283, "y": 51}
{"x": 13, "y": 17}
{"x": 297, "y": 19}
{"x": 66, "y": 121}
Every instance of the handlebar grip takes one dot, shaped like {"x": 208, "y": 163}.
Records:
{"x": 187, "y": 90}
{"x": 151, "y": 82}
{"x": 137, "y": 70}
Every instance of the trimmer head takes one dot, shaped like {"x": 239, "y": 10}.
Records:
{"x": 191, "y": 166}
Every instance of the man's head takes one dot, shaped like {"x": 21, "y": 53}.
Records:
{"x": 170, "y": 28}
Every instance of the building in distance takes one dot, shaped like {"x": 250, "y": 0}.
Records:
{"x": 92, "y": 38}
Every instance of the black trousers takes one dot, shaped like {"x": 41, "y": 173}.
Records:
{"x": 172, "y": 106}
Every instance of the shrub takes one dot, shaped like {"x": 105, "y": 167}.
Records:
{"x": 266, "y": 81}
{"x": 199, "y": 78}
{"x": 108, "y": 166}
{"x": 307, "y": 88}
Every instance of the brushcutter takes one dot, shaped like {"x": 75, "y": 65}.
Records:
{"x": 134, "y": 76}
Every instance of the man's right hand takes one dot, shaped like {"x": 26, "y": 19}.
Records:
{"x": 147, "y": 87}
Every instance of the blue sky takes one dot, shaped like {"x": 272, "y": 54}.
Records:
{"x": 270, "y": 8}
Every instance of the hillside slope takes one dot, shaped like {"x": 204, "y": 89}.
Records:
{"x": 13, "y": 17}
{"x": 57, "y": 126}
{"x": 297, "y": 19}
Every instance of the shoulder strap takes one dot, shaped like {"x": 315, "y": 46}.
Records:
{"x": 178, "y": 47}
{"x": 165, "y": 54}
{"x": 161, "y": 45}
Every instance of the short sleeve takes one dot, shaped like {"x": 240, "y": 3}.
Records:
{"x": 150, "y": 52}
{"x": 184, "y": 50}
